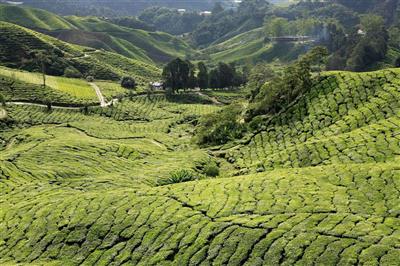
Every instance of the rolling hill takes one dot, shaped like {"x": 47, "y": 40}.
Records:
{"x": 17, "y": 44}
{"x": 33, "y": 18}
{"x": 316, "y": 185}
{"x": 99, "y": 34}
{"x": 158, "y": 46}
{"x": 252, "y": 47}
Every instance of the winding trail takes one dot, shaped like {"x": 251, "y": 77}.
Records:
{"x": 3, "y": 113}
{"x": 99, "y": 94}
{"x": 212, "y": 99}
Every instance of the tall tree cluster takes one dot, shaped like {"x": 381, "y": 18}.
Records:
{"x": 361, "y": 48}
{"x": 182, "y": 74}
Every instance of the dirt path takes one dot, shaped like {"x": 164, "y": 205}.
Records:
{"x": 99, "y": 94}
{"x": 213, "y": 99}
{"x": 3, "y": 113}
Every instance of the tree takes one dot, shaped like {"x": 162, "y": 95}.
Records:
{"x": 192, "y": 81}
{"x": 2, "y": 100}
{"x": 202, "y": 76}
{"x": 372, "y": 47}
{"x": 49, "y": 106}
{"x": 214, "y": 79}
{"x": 258, "y": 76}
{"x": 128, "y": 83}
{"x": 397, "y": 62}
{"x": 317, "y": 56}
{"x": 282, "y": 90}
{"x": 41, "y": 59}
{"x": 177, "y": 74}
{"x": 226, "y": 75}
{"x": 218, "y": 8}
{"x": 71, "y": 72}
{"x": 276, "y": 27}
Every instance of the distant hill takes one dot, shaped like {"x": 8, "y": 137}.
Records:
{"x": 33, "y": 18}
{"x": 99, "y": 34}
{"x": 252, "y": 47}
{"x": 118, "y": 7}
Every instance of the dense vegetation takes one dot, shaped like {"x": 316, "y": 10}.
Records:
{"x": 171, "y": 20}
{"x": 243, "y": 150}
{"x": 326, "y": 191}
{"x": 180, "y": 74}
{"x": 117, "y": 8}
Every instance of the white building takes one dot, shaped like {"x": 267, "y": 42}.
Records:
{"x": 205, "y": 13}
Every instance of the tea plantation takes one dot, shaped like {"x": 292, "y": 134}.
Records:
{"x": 318, "y": 184}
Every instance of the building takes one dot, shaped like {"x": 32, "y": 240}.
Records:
{"x": 157, "y": 85}
{"x": 205, "y": 13}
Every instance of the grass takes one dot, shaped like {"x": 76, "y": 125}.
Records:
{"x": 318, "y": 184}
{"x": 76, "y": 88}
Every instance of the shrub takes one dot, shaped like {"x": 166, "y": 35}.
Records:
{"x": 128, "y": 83}
{"x": 2, "y": 100}
{"x": 207, "y": 167}
{"x": 221, "y": 127}
{"x": 90, "y": 78}
{"x": 178, "y": 176}
{"x": 211, "y": 169}
{"x": 71, "y": 72}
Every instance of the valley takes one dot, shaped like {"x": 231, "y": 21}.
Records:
{"x": 222, "y": 146}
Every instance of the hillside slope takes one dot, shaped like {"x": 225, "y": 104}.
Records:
{"x": 99, "y": 34}
{"x": 160, "y": 47}
{"x": 252, "y": 47}
{"x": 80, "y": 189}
{"x": 33, "y": 18}
{"x": 17, "y": 44}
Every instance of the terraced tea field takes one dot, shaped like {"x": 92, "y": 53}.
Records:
{"x": 76, "y": 88}
{"x": 317, "y": 185}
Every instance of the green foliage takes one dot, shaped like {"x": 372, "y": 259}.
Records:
{"x": 128, "y": 83}
{"x": 178, "y": 74}
{"x": 132, "y": 22}
{"x": 28, "y": 86}
{"x": 137, "y": 44}
{"x": 250, "y": 14}
{"x": 71, "y": 72}
{"x": 259, "y": 75}
{"x": 82, "y": 188}
{"x": 2, "y": 100}
{"x": 202, "y": 76}
{"x": 178, "y": 176}
{"x": 225, "y": 76}
{"x": 363, "y": 47}
{"x": 33, "y": 18}
{"x": 275, "y": 95}
{"x": 211, "y": 169}
{"x": 221, "y": 127}
{"x": 170, "y": 20}
{"x": 17, "y": 51}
